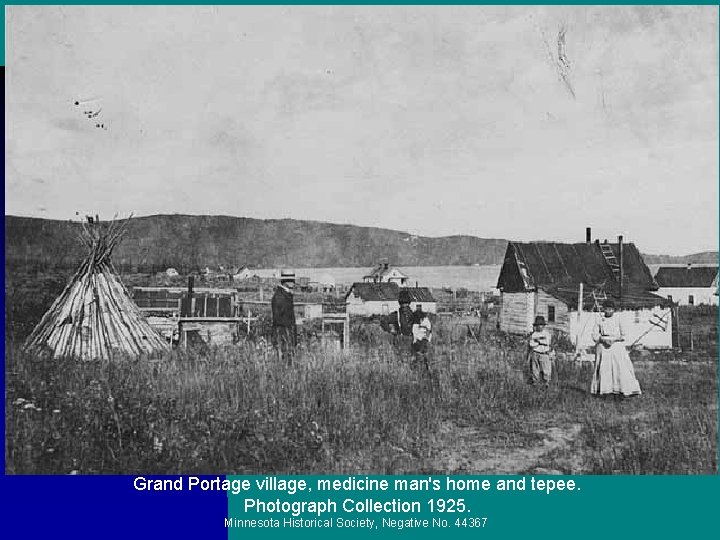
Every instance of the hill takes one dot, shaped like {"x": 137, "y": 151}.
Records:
{"x": 185, "y": 242}
{"x": 154, "y": 243}
{"x": 706, "y": 257}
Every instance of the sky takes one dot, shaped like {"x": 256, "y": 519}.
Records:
{"x": 525, "y": 123}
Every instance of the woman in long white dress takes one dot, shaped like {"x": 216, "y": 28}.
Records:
{"x": 613, "y": 373}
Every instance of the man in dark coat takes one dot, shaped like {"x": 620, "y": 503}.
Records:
{"x": 283, "y": 313}
{"x": 399, "y": 323}
{"x": 422, "y": 333}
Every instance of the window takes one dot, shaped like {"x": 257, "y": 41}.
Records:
{"x": 385, "y": 309}
{"x": 691, "y": 300}
{"x": 637, "y": 317}
{"x": 670, "y": 297}
{"x": 551, "y": 314}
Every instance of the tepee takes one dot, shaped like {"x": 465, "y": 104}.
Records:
{"x": 94, "y": 317}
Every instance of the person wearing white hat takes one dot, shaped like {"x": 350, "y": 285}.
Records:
{"x": 283, "y": 314}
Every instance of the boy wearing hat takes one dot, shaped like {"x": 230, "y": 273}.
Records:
{"x": 538, "y": 356}
{"x": 283, "y": 314}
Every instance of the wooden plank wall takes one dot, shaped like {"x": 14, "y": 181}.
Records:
{"x": 562, "y": 318}
{"x": 517, "y": 312}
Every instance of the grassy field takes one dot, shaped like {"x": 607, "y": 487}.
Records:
{"x": 238, "y": 410}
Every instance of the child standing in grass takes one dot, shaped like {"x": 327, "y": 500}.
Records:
{"x": 538, "y": 355}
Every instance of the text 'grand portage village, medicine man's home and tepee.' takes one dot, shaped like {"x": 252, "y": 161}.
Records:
{"x": 567, "y": 284}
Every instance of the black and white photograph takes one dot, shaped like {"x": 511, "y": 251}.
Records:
{"x": 401, "y": 240}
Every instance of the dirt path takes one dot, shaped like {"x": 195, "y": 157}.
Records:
{"x": 469, "y": 450}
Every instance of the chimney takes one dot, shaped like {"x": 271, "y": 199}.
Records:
{"x": 386, "y": 265}
{"x": 588, "y": 235}
{"x": 620, "y": 262}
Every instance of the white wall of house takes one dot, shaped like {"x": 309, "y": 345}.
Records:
{"x": 518, "y": 311}
{"x": 681, "y": 295}
{"x": 427, "y": 307}
{"x": 393, "y": 275}
{"x": 308, "y": 311}
{"x": 358, "y": 306}
{"x": 638, "y": 324}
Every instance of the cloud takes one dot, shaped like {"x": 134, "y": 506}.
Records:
{"x": 269, "y": 110}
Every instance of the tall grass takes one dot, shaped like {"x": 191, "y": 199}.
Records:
{"x": 239, "y": 410}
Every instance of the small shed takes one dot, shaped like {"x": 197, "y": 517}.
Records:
{"x": 207, "y": 314}
{"x": 688, "y": 284}
{"x": 382, "y": 298}
{"x": 567, "y": 283}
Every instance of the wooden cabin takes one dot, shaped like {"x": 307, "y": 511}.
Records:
{"x": 688, "y": 285}
{"x": 209, "y": 314}
{"x": 568, "y": 283}
{"x": 382, "y": 298}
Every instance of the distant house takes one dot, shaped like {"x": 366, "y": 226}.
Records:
{"x": 171, "y": 272}
{"x": 688, "y": 285}
{"x": 543, "y": 278}
{"x": 303, "y": 283}
{"x": 242, "y": 273}
{"x": 326, "y": 283}
{"x": 384, "y": 273}
{"x": 382, "y": 298}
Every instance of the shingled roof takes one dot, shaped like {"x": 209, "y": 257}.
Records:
{"x": 378, "y": 292}
{"x": 420, "y": 294}
{"x": 559, "y": 269}
{"x": 682, "y": 276}
{"x": 375, "y": 292}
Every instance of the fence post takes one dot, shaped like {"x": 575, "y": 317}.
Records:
{"x": 346, "y": 332}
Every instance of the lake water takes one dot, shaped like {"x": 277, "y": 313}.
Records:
{"x": 474, "y": 278}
